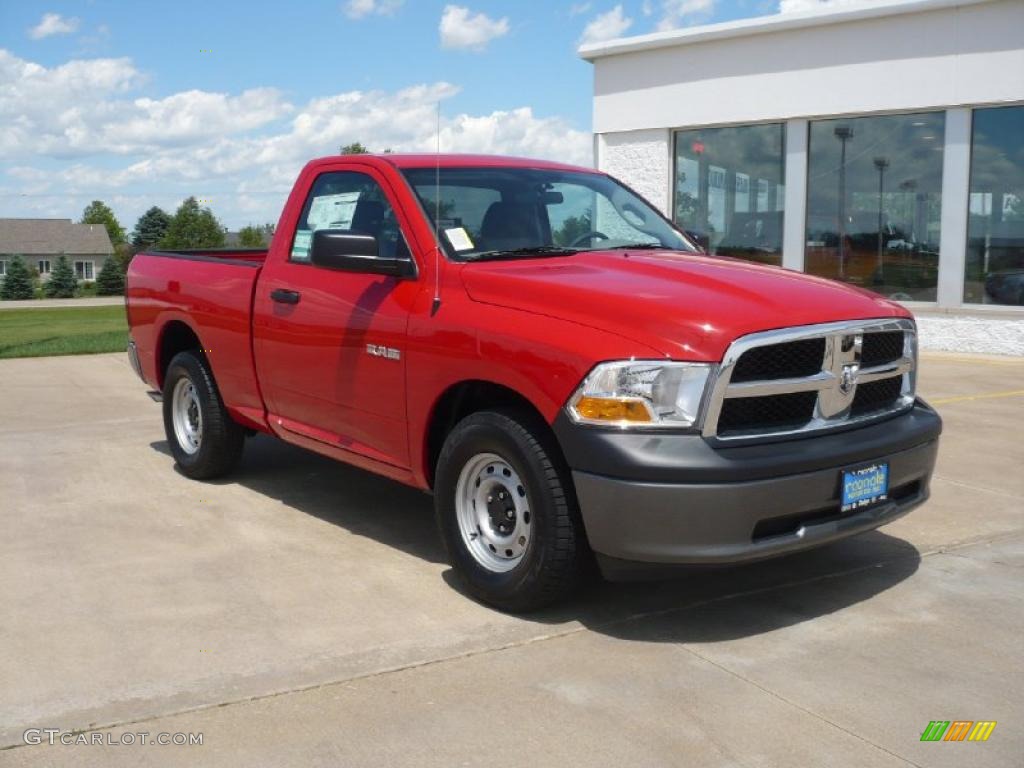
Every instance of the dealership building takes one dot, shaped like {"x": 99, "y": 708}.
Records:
{"x": 882, "y": 145}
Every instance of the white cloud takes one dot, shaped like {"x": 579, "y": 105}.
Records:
{"x": 358, "y": 9}
{"x": 82, "y": 108}
{"x": 676, "y": 13}
{"x": 647, "y": 8}
{"x": 53, "y": 24}
{"x": 799, "y": 6}
{"x": 460, "y": 28}
{"x": 243, "y": 150}
{"x": 578, "y": 9}
{"x": 606, "y": 26}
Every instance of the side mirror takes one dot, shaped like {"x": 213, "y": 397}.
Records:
{"x": 349, "y": 251}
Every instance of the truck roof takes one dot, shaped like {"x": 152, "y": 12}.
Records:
{"x": 459, "y": 161}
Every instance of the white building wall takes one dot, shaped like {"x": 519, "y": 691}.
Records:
{"x": 641, "y": 159}
{"x": 966, "y": 333}
{"x": 917, "y": 55}
{"x": 953, "y": 54}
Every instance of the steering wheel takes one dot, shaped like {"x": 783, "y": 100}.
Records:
{"x": 588, "y": 236}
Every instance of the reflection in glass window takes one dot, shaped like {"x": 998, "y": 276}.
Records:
{"x": 995, "y": 232}
{"x": 874, "y": 196}
{"x": 729, "y": 190}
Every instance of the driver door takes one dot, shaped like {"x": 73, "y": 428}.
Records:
{"x": 330, "y": 345}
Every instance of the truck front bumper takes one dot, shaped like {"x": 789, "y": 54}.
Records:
{"x": 677, "y": 499}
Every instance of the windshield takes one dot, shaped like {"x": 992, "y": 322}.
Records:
{"x": 507, "y": 212}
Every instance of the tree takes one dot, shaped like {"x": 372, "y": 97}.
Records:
{"x": 151, "y": 227}
{"x": 110, "y": 280}
{"x": 18, "y": 284}
{"x": 98, "y": 212}
{"x": 193, "y": 227}
{"x": 62, "y": 283}
{"x": 355, "y": 148}
{"x": 255, "y": 236}
{"x": 573, "y": 228}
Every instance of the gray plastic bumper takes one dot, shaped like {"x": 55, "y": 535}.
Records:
{"x": 722, "y": 522}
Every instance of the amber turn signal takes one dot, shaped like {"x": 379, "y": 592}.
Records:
{"x": 612, "y": 409}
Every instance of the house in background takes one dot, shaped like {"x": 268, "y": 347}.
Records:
{"x": 41, "y": 241}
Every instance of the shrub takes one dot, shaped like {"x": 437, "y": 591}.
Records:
{"x": 62, "y": 283}
{"x": 19, "y": 283}
{"x": 110, "y": 280}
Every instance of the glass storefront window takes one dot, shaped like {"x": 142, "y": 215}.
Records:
{"x": 994, "y": 272}
{"x": 874, "y": 199}
{"x": 729, "y": 189}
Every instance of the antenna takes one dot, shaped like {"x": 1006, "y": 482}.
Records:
{"x": 436, "y": 305}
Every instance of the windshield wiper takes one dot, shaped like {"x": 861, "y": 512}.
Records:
{"x": 511, "y": 253}
{"x": 639, "y": 247}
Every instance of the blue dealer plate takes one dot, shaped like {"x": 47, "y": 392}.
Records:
{"x": 865, "y": 486}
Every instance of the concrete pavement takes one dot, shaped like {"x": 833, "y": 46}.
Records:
{"x": 301, "y": 612}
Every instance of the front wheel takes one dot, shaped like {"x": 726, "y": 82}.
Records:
{"x": 507, "y": 512}
{"x": 204, "y": 440}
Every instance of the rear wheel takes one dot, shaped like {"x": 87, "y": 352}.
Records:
{"x": 203, "y": 438}
{"x": 507, "y": 512}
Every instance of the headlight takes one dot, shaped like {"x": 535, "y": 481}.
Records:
{"x": 641, "y": 394}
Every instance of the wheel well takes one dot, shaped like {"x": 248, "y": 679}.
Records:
{"x": 464, "y": 398}
{"x": 176, "y": 337}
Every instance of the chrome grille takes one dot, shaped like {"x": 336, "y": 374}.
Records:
{"x": 806, "y": 379}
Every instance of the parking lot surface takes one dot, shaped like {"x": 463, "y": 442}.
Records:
{"x": 301, "y": 612}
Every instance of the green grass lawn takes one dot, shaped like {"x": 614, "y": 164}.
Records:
{"x": 60, "y": 331}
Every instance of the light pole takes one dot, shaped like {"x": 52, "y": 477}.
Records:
{"x": 844, "y": 133}
{"x": 881, "y": 164}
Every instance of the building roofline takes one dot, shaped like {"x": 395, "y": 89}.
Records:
{"x": 764, "y": 24}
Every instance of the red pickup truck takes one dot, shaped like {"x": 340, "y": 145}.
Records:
{"x": 555, "y": 361}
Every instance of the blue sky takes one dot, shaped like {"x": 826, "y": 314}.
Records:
{"x": 226, "y": 100}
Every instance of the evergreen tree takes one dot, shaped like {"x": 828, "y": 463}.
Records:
{"x": 193, "y": 227}
{"x": 62, "y": 283}
{"x": 110, "y": 280}
{"x": 98, "y": 212}
{"x": 19, "y": 283}
{"x": 151, "y": 227}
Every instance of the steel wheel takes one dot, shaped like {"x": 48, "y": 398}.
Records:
{"x": 187, "y": 416}
{"x": 493, "y": 512}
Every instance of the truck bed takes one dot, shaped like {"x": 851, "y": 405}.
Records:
{"x": 229, "y": 255}
{"x": 208, "y": 289}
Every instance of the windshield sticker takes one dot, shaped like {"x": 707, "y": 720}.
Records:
{"x": 459, "y": 239}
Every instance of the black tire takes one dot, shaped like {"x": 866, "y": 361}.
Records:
{"x": 556, "y": 554}
{"x": 222, "y": 439}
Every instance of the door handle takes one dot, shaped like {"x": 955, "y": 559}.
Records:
{"x": 282, "y": 296}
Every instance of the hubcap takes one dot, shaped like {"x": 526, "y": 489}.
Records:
{"x": 493, "y": 512}
{"x": 187, "y": 416}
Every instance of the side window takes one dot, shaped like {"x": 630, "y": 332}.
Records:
{"x": 351, "y": 201}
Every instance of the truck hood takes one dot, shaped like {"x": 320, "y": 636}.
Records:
{"x": 689, "y": 307}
